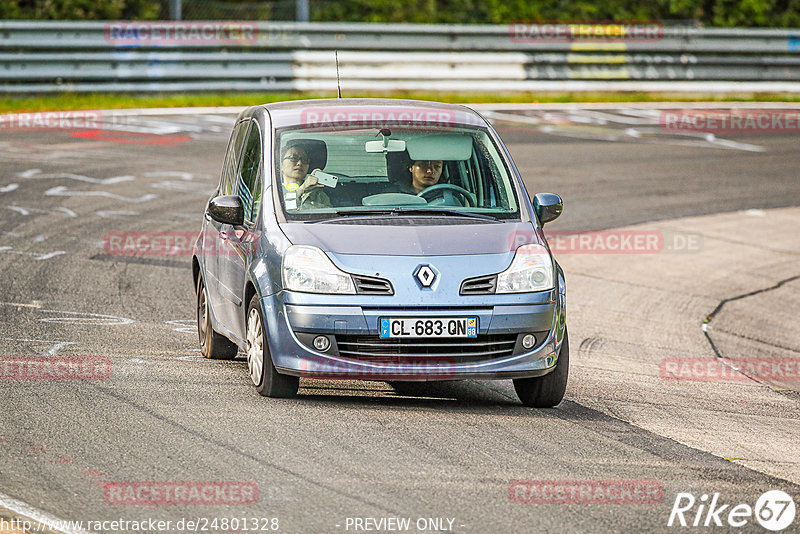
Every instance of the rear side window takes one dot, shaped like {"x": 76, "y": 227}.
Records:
{"x": 227, "y": 182}
{"x": 249, "y": 175}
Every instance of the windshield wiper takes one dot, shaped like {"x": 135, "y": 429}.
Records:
{"x": 400, "y": 210}
{"x": 445, "y": 211}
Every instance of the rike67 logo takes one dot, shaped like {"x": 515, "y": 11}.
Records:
{"x": 774, "y": 510}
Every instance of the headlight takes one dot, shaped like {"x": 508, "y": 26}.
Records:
{"x": 308, "y": 269}
{"x": 531, "y": 270}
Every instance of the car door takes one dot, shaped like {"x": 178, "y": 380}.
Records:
{"x": 215, "y": 233}
{"x": 238, "y": 243}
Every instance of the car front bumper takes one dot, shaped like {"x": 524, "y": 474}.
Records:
{"x": 293, "y": 320}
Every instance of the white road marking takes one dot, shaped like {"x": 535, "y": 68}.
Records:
{"x": 112, "y": 214}
{"x": 510, "y": 117}
{"x": 34, "y": 304}
{"x": 62, "y": 191}
{"x": 37, "y": 173}
{"x": 32, "y": 340}
{"x": 727, "y": 143}
{"x": 27, "y": 211}
{"x": 176, "y": 174}
{"x": 552, "y": 123}
{"x": 43, "y": 518}
{"x": 84, "y": 318}
{"x": 57, "y": 347}
{"x": 8, "y": 188}
{"x": 186, "y": 326}
{"x": 140, "y": 360}
{"x": 20, "y": 209}
{"x": 198, "y": 358}
{"x": 37, "y": 256}
{"x": 68, "y": 211}
{"x": 53, "y": 351}
{"x": 184, "y": 187}
{"x": 50, "y": 255}
{"x": 620, "y": 118}
{"x": 180, "y": 184}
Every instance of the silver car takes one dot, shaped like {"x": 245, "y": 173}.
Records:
{"x": 379, "y": 240}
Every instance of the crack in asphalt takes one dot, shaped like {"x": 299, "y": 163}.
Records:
{"x": 710, "y": 317}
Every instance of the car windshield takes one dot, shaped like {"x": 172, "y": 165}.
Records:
{"x": 452, "y": 171}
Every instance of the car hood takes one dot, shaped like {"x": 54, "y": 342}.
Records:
{"x": 406, "y": 238}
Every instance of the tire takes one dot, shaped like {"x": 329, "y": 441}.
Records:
{"x": 548, "y": 390}
{"x": 268, "y": 382}
{"x": 213, "y": 345}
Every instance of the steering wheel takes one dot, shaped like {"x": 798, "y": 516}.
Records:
{"x": 446, "y": 192}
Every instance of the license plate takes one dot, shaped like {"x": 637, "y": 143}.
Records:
{"x": 392, "y": 327}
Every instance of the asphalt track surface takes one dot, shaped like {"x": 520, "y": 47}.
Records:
{"x": 341, "y": 449}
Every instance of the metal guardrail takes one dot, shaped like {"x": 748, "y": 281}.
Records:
{"x": 97, "y": 56}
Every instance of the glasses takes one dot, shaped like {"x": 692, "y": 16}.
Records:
{"x": 295, "y": 159}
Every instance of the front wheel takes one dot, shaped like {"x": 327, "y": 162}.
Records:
{"x": 212, "y": 345}
{"x": 548, "y": 390}
{"x": 265, "y": 377}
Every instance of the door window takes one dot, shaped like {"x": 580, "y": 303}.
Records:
{"x": 249, "y": 176}
{"x": 227, "y": 183}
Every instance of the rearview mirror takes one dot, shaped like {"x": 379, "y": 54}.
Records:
{"x": 387, "y": 145}
{"x": 548, "y": 206}
{"x": 226, "y": 209}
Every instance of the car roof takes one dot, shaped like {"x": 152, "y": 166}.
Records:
{"x": 369, "y": 111}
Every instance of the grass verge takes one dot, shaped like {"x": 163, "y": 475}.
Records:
{"x": 69, "y": 101}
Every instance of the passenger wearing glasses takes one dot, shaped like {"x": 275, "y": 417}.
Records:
{"x": 300, "y": 189}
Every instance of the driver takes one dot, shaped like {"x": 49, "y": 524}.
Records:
{"x": 424, "y": 173}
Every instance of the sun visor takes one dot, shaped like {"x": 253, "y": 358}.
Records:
{"x": 448, "y": 147}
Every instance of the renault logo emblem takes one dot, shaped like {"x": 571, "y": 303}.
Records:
{"x": 425, "y": 275}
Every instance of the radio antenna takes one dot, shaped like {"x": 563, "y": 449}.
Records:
{"x": 338, "y": 84}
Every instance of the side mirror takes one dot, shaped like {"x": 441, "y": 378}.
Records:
{"x": 226, "y": 209}
{"x": 548, "y": 206}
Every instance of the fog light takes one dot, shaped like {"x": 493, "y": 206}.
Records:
{"x": 322, "y": 343}
{"x": 528, "y": 341}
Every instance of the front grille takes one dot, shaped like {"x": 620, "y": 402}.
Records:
{"x": 483, "y": 285}
{"x": 366, "y": 285}
{"x": 417, "y": 350}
